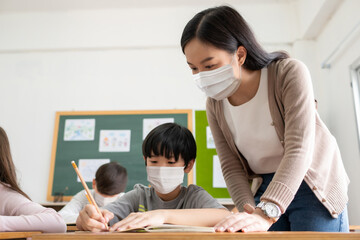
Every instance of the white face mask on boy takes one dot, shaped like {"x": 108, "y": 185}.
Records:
{"x": 102, "y": 201}
{"x": 219, "y": 83}
{"x": 165, "y": 179}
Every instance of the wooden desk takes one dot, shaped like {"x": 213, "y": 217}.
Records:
{"x": 199, "y": 236}
{"x": 71, "y": 228}
{"x": 354, "y": 228}
{"x": 17, "y": 235}
{"x": 57, "y": 206}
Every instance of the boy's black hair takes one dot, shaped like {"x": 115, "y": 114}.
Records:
{"x": 111, "y": 178}
{"x": 170, "y": 140}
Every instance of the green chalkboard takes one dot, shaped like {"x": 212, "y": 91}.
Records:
{"x": 69, "y": 146}
{"x": 205, "y": 156}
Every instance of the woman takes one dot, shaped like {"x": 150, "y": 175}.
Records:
{"x": 17, "y": 211}
{"x": 261, "y": 112}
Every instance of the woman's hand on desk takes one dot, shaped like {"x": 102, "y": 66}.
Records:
{"x": 253, "y": 220}
{"x": 89, "y": 219}
{"x": 140, "y": 220}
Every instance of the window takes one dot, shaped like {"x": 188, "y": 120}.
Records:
{"x": 355, "y": 84}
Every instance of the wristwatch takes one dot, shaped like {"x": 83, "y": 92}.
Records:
{"x": 271, "y": 210}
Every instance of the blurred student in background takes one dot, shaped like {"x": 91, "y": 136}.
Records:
{"x": 109, "y": 184}
{"x": 17, "y": 211}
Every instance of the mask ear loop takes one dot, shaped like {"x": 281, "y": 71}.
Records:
{"x": 233, "y": 57}
{"x": 240, "y": 68}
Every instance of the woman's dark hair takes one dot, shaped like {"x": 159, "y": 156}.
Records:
{"x": 224, "y": 28}
{"x": 111, "y": 178}
{"x": 170, "y": 140}
{"x": 7, "y": 167}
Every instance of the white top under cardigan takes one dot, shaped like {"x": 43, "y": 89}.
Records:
{"x": 253, "y": 130}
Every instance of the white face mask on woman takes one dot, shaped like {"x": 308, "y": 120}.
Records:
{"x": 102, "y": 201}
{"x": 219, "y": 83}
{"x": 165, "y": 179}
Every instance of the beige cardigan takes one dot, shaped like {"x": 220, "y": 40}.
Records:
{"x": 310, "y": 151}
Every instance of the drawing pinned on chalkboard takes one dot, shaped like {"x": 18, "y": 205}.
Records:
{"x": 209, "y": 138}
{"x": 79, "y": 130}
{"x": 218, "y": 178}
{"x": 88, "y": 168}
{"x": 114, "y": 141}
{"x": 151, "y": 123}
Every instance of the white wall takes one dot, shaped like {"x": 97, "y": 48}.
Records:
{"x": 99, "y": 59}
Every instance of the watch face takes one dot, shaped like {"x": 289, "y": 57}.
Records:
{"x": 271, "y": 210}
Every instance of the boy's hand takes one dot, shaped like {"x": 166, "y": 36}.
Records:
{"x": 89, "y": 219}
{"x": 140, "y": 220}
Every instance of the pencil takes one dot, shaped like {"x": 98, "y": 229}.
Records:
{"x": 89, "y": 196}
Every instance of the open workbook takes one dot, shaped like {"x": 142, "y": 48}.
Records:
{"x": 172, "y": 228}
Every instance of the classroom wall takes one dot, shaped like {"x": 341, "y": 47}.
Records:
{"x": 123, "y": 58}
{"x": 107, "y": 56}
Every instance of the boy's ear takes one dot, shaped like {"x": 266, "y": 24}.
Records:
{"x": 189, "y": 166}
{"x": 145, "y": 160}
{"x": 94, "y": 183}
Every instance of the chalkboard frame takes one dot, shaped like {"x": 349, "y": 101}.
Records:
{"x": 50, "y": 196}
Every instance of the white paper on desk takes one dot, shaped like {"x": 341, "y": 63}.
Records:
{"x": 114, "y": 141}
{"x": 151, "y": 123}
{"x": 79, "y": 130}
{"x": 218, "y": 179}
{"x": 88, "y": 168}
{"x": 209, "y": 138}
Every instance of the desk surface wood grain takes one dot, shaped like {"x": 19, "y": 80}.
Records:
{"x": 199, "y": 236}
{"x": 17, "y": 235}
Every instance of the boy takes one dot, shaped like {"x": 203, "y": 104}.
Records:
{"x": 108, "y": 185}
{"x": 169, "y": 151}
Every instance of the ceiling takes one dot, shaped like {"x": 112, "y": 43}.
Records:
{"x": 65, "y": 5}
